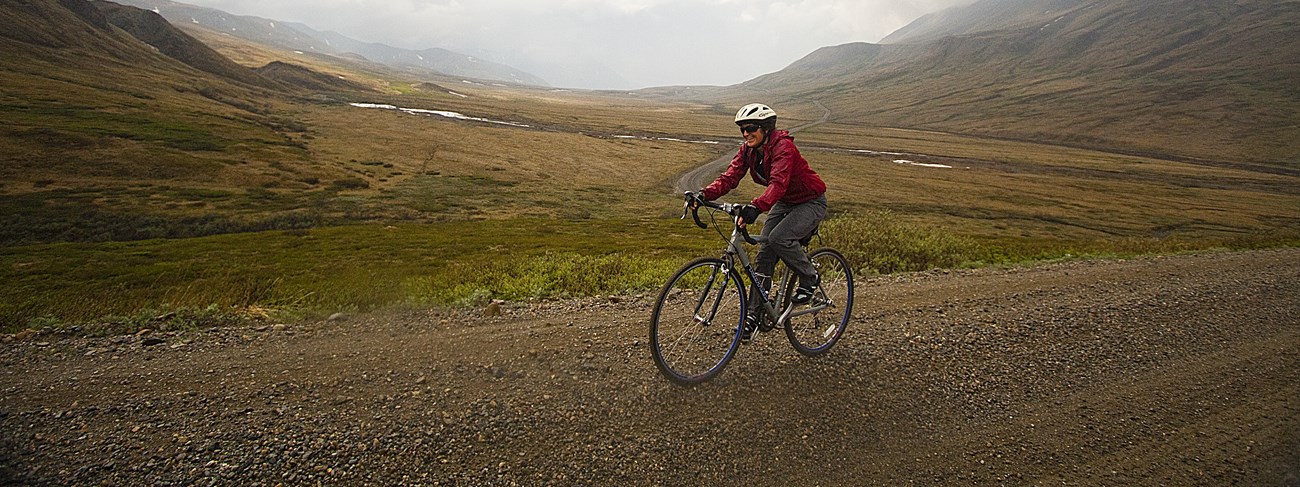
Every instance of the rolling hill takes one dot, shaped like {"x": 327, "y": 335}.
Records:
{"x": 299, "y": 76}
{"x": 105, "y": 132}
{"x": 1203, "y": 78}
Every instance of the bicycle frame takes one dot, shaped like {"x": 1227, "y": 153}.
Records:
{"x": 736, "y": 252}
{"x": 687, "y": 345}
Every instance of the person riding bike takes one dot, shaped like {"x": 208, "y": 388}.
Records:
{"x": 795, "y": 201}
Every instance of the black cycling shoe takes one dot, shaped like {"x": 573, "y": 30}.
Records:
{"x": 751, "y": 324}
{"x": 804, "y": 293}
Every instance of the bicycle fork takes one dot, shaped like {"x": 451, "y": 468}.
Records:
{"x": 717, "y": 299}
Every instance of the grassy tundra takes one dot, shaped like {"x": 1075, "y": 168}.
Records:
{"x": 398, "y": 209}
{"x": 140, "y": 192}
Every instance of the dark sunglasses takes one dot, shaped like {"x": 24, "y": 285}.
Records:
{"x": 749, "y": 128}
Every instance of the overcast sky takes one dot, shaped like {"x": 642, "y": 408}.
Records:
{"x": 608, "y": 44}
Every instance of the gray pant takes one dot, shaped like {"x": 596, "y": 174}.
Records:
{"x": 786, "y": 224}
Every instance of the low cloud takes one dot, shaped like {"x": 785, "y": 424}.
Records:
{"x": 609, "y": 44}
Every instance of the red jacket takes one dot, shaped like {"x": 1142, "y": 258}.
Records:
{"x": 786, "y": 174}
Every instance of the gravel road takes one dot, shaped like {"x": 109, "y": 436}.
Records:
{"x": 1177, "y": 370}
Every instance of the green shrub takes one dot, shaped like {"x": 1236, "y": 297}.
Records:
{"x": 879, "y": 242}
{"x": 117, "y": 287}
{"x": 551, "y": 275}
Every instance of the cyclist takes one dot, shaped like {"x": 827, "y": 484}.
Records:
{"x": 795, "y": 200}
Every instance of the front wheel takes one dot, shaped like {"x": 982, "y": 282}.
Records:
{"x": 814, "y": 328}
{"x": 695, "y": 327}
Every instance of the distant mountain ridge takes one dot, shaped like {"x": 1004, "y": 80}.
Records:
{"x": 300, "y": 37}
{"x": 981, "y": 17}
{"x": 1201, "y": 78}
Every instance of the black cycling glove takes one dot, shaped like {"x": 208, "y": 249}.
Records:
{"x": 749, "y": 213}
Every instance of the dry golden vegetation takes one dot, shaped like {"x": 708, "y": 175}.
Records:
{"x": 560, "y": 207}
{"x": 1000, "y": 188}
{"x": 431, "y": 165}
{"x": 286, "y": 199}
{"x": 257, "y": 55}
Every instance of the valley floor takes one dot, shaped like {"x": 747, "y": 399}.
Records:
{"x": 1179, "y": 370}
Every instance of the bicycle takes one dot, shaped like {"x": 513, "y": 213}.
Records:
{"x": 698, "y": 319}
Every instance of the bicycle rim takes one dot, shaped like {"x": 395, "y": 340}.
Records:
{"x": 695, "y": 327}
{"x": 815, "y": 333}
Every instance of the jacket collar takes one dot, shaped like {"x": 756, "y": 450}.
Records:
{"x": 771, "y": 139}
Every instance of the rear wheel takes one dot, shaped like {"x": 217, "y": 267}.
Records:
{"x": 695, "y": 327}
{"x": 814, "y": 327}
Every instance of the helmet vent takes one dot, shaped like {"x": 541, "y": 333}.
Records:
{"x": 755, "y": 112}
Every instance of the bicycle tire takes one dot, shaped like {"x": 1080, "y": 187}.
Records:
{"x": 815, "y": 333}
{"x": 696, "y": 324}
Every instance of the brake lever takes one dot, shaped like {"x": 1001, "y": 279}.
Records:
{"x": 693, "y": 210}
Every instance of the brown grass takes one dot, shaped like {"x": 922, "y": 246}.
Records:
{"x": 1000, "y": 188}
{"x": 95, "y": 149}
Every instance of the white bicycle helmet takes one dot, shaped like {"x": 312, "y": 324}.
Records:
{"x": 755, "y": 112}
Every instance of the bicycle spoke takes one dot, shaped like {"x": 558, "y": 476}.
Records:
{"x": 816, "y": 327}
{"x": 693, "y": 331}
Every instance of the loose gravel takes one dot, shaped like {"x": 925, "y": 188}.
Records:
{"x": 1177, "y": 370}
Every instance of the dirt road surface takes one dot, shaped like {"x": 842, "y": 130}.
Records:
{"x": 1177, "y": 370}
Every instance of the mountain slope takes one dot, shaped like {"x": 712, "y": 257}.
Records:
{"x": 29, "y": 22}
{"x": 299, "y": 37}
{"x": 1201, "y": 78}
{"x": 102, "y": 133}
{"x": 157, "y": 32}
{"x": 980, "y": 17}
